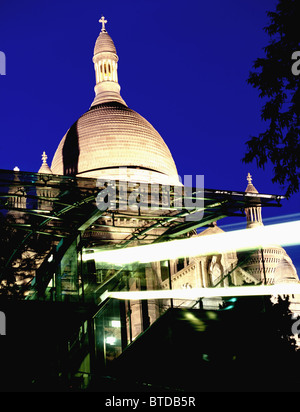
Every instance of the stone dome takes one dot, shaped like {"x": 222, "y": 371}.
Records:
{"x": 285, "y": 270}
{"x": 269, "y": 265}
{"x": 110, "y": 135}
{"x": 104, "y": 43}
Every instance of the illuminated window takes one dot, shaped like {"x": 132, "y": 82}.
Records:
{"x": 111, "y": 340}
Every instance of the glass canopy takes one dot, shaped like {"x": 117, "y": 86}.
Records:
{"x": 48, "y": 222}
{"x": 55, "y": 229}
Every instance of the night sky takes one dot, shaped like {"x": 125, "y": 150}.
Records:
{"x": 183, "y": 65}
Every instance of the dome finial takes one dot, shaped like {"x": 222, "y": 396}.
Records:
{"x": 45, "y": 168}
{"x": 44, "y": 158}
{"x": 249, "y": 178}
{"x": 103, "y": 21}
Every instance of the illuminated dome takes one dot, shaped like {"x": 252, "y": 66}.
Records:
{"x": 104, "y": 43}
{"x": 111, "y": 136}
{"x": 285, "y": 271}
{"x": 271, "y": 265}
{"x": 108, "y": 136}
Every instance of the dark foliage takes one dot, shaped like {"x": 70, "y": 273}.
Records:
{"x": 280, "y": 91}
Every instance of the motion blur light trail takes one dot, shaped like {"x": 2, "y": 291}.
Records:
{"x": 197, "y": 293}
{"x": 283, "y": 234}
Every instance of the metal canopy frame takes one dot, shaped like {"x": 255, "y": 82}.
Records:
{"x": 61, "y": 207}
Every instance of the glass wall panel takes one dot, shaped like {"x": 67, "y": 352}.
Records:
{"x": 67, "y": 280}
{"x": 110, "y": 332}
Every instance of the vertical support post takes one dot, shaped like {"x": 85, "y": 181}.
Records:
{"x": 92, "y": 346}
{"x": 263, "y": 264}
{"x": 128, "y": 312}
{"x": 129, "y": 321}
{"x": 80, "y": 266}
{"x": 58, "y": 288}
{"x": 170, "y": 282}
{"x": 145, "y": 314}
{"x": 144, "y": 303}
{"x": 124, "y": 340}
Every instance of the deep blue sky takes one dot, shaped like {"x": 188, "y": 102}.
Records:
{"x": 183, "y": 66}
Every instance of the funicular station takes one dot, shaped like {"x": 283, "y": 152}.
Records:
{"x": 64, "y": 332}
{"x": 78, "y": 319}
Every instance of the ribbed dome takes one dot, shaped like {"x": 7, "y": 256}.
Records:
{"x": 273, "y": 263}
{"x": 104, "y": 43}
{"x": 285, "y": 271}
{"x": 111, "y": 135}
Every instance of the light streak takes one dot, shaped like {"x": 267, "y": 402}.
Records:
{"x": 283, "y": 234}
{"x": 197, "y": 293}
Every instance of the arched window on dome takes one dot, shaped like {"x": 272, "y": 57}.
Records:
{"x": 98, "y": 77}
{"x": 100, "y": 72}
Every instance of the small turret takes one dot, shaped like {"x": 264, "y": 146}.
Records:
{"x": 253, "y": 213}
{"x": 45, "y": 168}
{"x": 105, "y": 60}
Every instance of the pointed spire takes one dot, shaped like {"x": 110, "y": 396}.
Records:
{"x": 250, "y": 188}
{"x": 45, "y": 168}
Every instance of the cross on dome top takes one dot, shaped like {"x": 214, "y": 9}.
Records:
{"x": 103, "y": 21}
{"x": 249, "y": 178}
